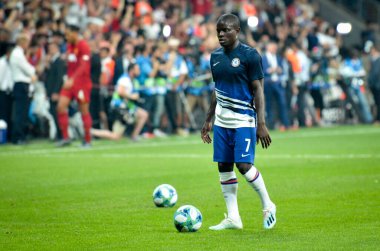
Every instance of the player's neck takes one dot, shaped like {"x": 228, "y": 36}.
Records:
{"x": 75, "y": 41}
{"x": 232, "y": 47}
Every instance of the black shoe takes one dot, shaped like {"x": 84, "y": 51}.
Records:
{"x": 63, "y": 143}
{"x": 86, "y": 145}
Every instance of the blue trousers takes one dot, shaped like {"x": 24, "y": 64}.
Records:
{"x": 274, "y": 90}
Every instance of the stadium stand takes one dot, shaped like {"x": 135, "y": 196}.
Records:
{"x": 323, "y": 78}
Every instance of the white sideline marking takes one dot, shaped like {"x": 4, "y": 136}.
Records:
{"x": 76, "y": 149}
{"x": 209, "y": 156}
{"x": 306, "y": 134}
{"x": 175, "y": 142}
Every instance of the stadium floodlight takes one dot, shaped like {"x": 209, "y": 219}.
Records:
{"x": 166, "y": 31}
{"x": 253, "y": 21}
{"x": 343, "y": 28}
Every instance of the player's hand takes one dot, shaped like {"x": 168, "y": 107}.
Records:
{"x": 33, "y": 79}
{"x": 68, "y": 84}
{"x": 205, "y": 132}
{"x": 55, "y": 97}
{"x": 262, "y": 135}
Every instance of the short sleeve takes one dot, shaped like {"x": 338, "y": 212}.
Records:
{"x": 84, "y": 51}
{"x": 255, "y": 66}
{"x": 211, "y": 62}
{"x": 126, "y": 84}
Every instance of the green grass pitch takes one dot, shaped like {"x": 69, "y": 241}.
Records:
{"x": 325, "y": 182}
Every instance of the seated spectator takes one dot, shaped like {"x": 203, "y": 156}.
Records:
{"x": 124, "y": 108}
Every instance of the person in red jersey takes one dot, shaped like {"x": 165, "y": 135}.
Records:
{"x": 77, "y": 85}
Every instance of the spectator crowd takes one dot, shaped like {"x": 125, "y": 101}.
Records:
{"x": 164, "y": 48}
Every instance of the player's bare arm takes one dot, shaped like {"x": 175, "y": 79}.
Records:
{"x": 179, "y": 82}
{"x": 262, "y": 132}
{"x": 206, "y": 128}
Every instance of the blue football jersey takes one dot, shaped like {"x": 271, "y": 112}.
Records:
{"x": 232, "y": 73}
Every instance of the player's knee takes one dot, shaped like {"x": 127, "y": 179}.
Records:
{"x": 225, "y": 167}
{"x": 63, "y": 104}
{"x": 117, "y": 136}
{"x": 243, "y": 167}
{"x": 144, "y": 114}
{"x": 84, "y": 109}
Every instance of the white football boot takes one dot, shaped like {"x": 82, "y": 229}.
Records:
{"x": 228, "y": 223}
{"x": 270, "y": 217}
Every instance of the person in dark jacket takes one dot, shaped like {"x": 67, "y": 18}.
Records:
{"x": 374, "y": 79}
{"x": 54, "y": 72}
{"x": 273, "y": 78}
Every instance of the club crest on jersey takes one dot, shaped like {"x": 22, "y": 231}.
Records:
{"x": 235, "y": 62}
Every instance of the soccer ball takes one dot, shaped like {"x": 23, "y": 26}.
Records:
{"x": 187, "y": 219}
{"x": 165, "y": 196}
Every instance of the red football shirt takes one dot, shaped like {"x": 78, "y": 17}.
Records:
{"x": 78, "y": 63}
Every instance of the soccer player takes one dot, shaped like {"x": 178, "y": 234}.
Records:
{"x": 77, "y": 85}
{"x": 238, "y": 106}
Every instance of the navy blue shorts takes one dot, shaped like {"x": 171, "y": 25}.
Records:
{"x": 234, "y": 145}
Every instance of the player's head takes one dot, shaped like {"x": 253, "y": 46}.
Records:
{"x": 173, "y": 44}
{"x": 133, "y": 70}
{"x": 295, "y": 46}
{"x": 53, "y": 48}
{"x": 128, "y": 49}
{"x": 23, "y": 41}
{"x": 354, "y": 54}
{"x": 72, "y": 32}
{"x": 271, "y": 47}
{"x": 105, "y": 49}
{"x": 375, "y": 50}
{"x": 228, "y": 28}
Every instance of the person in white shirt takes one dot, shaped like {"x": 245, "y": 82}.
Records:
{"x": 6, "y": 87}
{"x": 23, "y": 74}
